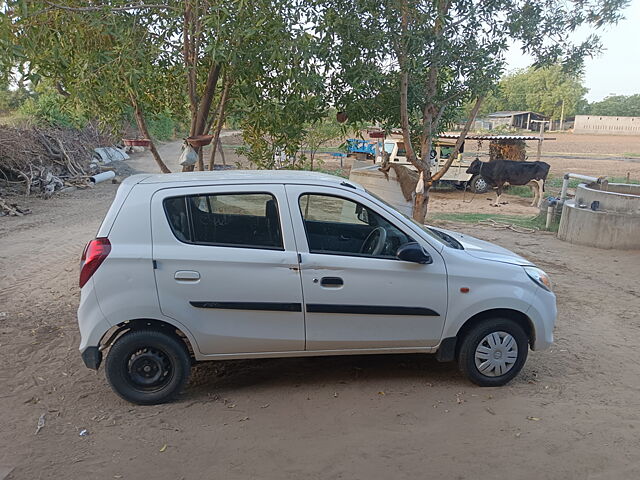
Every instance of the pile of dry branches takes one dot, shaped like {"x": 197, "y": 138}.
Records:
{"x": 43, "y": 160}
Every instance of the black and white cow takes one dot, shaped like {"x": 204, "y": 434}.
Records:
{"x": 499, "y": 172}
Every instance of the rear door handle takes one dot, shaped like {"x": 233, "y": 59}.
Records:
{"x": 331, "y": 282}
{"x": 187, "y": 276}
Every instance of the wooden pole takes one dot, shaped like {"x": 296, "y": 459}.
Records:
{"x": 540, "y": 140}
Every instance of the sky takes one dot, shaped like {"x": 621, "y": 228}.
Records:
{"x": 617, "y": 69}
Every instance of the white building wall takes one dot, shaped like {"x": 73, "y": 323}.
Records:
{"x": 601, "y": 125}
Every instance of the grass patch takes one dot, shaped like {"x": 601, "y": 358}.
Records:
{"x": 536, "y": 222}
{"x": 556, "y": 182}
{"x": 631, "y": 154}
{"x": 624, "y": 180}
{"x": 519, "y": 191}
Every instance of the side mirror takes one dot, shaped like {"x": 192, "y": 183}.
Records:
{"x": 362, "y": 214}
{"x": 413, "y": 252}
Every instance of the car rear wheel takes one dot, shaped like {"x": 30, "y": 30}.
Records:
{"x": 147, "y": 367}
{"x": 493, "y": 352}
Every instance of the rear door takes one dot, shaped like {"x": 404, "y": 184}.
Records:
{"x": 227, "y": 268}
{"x": 355, "y": 298}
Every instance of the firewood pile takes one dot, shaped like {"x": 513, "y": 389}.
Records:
{"x": 41, "y": 161}
{"x": 11, "y": 209}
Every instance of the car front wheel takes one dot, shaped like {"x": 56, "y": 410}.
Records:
{"x": 493, "y": 352}
{"x": 147, "y": 367}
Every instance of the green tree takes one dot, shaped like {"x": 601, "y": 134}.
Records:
{"x": 541, "y": 90}
{"x": 178, "y": 56}
{"x": 414, "y": 62}
{"x": 321, "y": 132}
{"x": 616, "y": 105}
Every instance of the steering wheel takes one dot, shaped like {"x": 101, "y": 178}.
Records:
{"x": 375, "y": 242}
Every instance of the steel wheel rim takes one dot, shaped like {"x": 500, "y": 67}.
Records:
{"x": 149, "y": 369}
{"x": 480, "y": 184}
{"x": 496, "y": 354}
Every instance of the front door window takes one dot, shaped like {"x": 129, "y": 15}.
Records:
{"x": 339, "y": 226}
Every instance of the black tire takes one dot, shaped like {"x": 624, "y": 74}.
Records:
{"x": 148, "y": 367}
{"x": 477, "y": 184}
{"x": 473, "y": 339}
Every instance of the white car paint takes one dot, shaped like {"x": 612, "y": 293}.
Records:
{"x": 127, "y": 287}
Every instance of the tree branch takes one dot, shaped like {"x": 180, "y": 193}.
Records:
{"x": 207, "y": 98}
{"x": 460, "y": 141}
{"x": 420, "y": 164}
{"x": 220, "y": 123}
{"x": 142, "y": 126}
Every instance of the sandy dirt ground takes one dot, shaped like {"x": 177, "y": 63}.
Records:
{"x": 573, "y": 412}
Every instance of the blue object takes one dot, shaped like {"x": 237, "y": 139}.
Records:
{"x": 355, "y": 145}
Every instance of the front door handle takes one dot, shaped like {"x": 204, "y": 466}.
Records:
{"x": 331, "y": 282}
{"x": 187, "y": 276}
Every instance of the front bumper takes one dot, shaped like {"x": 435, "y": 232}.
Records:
{"x": 543, "y": 313}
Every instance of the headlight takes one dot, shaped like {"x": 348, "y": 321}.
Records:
{"x": 539, "y": 277}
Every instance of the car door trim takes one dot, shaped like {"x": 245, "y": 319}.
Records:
{"x": 370, "y": 309}
{"x": 268, "y": 306}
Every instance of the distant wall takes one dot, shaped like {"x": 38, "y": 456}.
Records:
{"x": 601, "y": 125}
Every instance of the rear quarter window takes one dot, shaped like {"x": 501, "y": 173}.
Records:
{"x": 249, "y": 220}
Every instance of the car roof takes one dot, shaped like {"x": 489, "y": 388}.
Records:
{"x": 247, "y": 176}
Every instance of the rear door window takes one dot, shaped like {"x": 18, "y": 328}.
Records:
{"x": 248, "y": 220}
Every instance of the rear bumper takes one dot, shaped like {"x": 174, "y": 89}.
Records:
{"x": 91, "y": 321}
{"x": 92, "y": 357}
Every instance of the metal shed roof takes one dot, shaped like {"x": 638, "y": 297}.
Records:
{"x": 494, "y": 137}
{"x": 509, "y": 113}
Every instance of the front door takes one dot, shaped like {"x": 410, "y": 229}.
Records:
{"x": 357, "y": 294}
{"x": 227, "y": 267}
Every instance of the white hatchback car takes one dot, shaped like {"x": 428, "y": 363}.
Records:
{"x": 189, "y": 267}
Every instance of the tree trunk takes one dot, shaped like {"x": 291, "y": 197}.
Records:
{"x": 421, "y": 201}
{"x": 224, "y": 160}
{"x": 219, "y": 124}
{"x": 200, "y": 161}
{"x": 207, "y": 98}
{"x": 189, "y": 33}
{"x": 142, "y": 126}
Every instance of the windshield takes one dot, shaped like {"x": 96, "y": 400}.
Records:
{"x": 388, "y": 147}
{"x": 424, "y": 228}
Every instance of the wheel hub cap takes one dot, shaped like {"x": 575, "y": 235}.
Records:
{"x": 496, "y": 354}
{"x": 148, "y": 368}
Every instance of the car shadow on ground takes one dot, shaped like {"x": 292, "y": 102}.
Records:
{"x": 236, "y": 375}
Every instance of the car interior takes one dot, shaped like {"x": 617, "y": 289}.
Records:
{"x": 340, "y": 226}
{"x": 194, "y": 219}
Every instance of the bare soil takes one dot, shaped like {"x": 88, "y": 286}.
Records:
{"x": 573, "y": 412}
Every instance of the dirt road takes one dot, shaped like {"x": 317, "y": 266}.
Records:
{"x": 574, "y": 412}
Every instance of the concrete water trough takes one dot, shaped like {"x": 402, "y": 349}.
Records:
{"x": 603, "y": 215}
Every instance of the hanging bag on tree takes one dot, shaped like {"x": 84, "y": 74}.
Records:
{"x": 188, "y": 156}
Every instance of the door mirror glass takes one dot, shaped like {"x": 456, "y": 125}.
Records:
{"x": 413, "y": 252}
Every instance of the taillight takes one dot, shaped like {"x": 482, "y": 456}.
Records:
{"x": 94, "y": 254}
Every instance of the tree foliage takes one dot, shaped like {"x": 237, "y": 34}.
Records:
{"x": 615, "y": 105}
{"x": 177, "y": 56}
{"x": 541, "y": 90}
{"x": 278, "y": 64}
{"x": 413, "y": 62}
